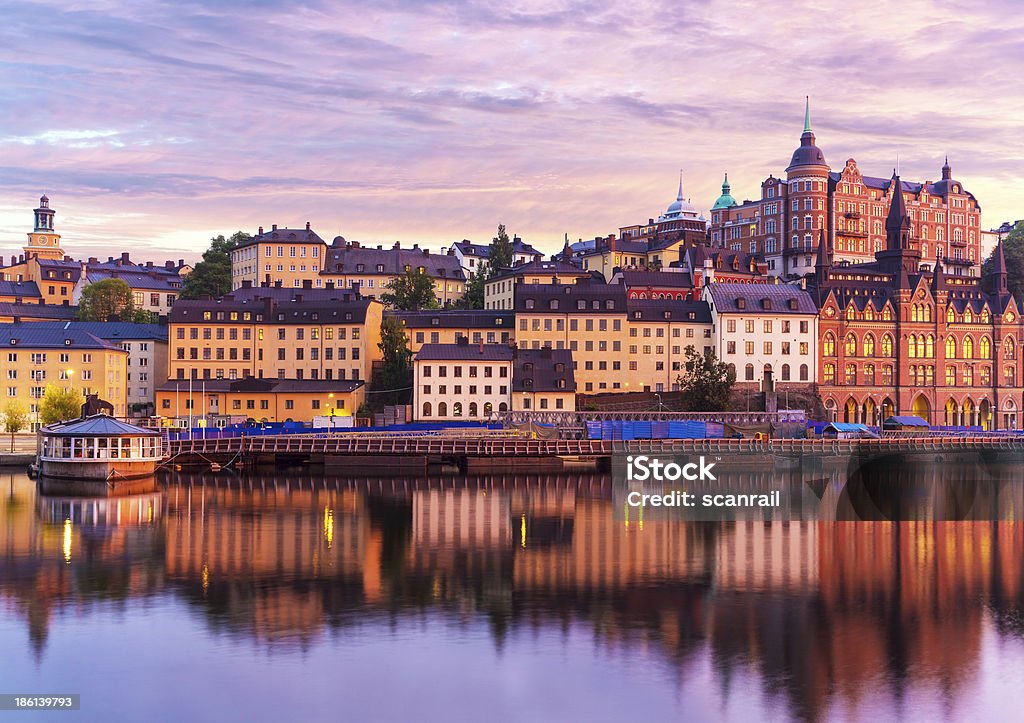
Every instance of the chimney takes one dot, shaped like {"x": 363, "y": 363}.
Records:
{"x": 169, "y": 265}
{"x": 481, "y": 348}
{"x": 273, "y": 227}
{"x": 355, "y": 244}
{"x": 298, "y": 298}
{"x": 110, "y": 259}
{"x": 415, "y": 247}
{"x": 260, "y": 232}
{"x": 124, "y": 257}
{"x": 426, "y": 252}
{"x": 149, "y": 264}
{"x": 379, "y": 247}
{"x": 181, "y": 262}
{"x": 307, "y": 225}
{"x": 278, "y": 284}
{"x": 397, "y": 246}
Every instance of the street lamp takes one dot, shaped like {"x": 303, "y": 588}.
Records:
{"x": 330, "y": 407}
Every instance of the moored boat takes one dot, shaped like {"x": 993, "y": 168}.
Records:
{"x": 99, "y": 447}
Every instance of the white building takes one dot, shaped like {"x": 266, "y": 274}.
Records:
{"x": 765, "y": 327}
{"x": 461, "y": 381}
{"x": 471, "y": 256}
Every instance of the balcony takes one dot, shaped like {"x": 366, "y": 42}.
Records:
{"x": 796, "y": 250}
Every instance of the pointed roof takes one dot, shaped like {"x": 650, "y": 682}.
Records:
{"x": 725, "y": 200}
{"x": 898, "y": 219}
{"x": 824, "y": 260}
{"x": 807, "y": 114}
{"x": 98, "y": 425}
{"x": 938, "y": 276}
{"x": 808, "y": 154}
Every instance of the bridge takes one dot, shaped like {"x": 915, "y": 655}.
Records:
{"x": 390, "y": 449}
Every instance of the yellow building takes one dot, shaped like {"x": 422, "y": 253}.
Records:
{"x": 35, "y": 356}
{"x": 300, "y": 334}
{"x": 613, "y": 254}
{"x": 43, "y": 261}
{"x": 265, "y": 400}
{"x": 447, "y": 327}
{"x": 499, "y": 291}
{"x": 285, "y": 256}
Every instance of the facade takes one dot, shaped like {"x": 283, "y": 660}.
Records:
{"x": 499, "y": 291}
{"x": 901, "y": 336}
{"x": 785, "y": 222}
{"x": 673, "y": 284}
{"x": 351, "y": 265}
{"x": 154, "y": 288}
{"x": 765, "y": 329}
{"x": 472, "y": 256}
{"x": 658, "y": 332}
{"x": 190, "y": 403}
{"x": 463, "y": 381}
{"x": 284, "y": 256}
{"x": 146, "y": 365}
{"x": 447, "y": 327}
{"x": 275, "y": 332}
{"x": 37, "y": 355}
{"x": 543, "y": 380}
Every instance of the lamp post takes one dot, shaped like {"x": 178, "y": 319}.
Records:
{"x": 330, "y": 409}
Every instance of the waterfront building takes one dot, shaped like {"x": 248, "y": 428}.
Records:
{"x": 499, "y": 290}
{"x": 39, "y": 354}
{"x": 901, "y": 335}
{"x": 212, "y": 402}
{"x": 472, "y": 256}
{"x": 784, "y": 223}
{"x": 146, "y": 365}
{"x": 464, "y": 381}
{"x": 762, "y": 329}
{"x": 275, "y": 332}
{"x": 434, "y": 326}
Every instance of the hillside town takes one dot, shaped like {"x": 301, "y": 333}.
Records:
{"x": 852, "y": 297}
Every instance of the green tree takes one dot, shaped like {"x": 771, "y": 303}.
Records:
{"x": 500, "y": 254}
{"x": 706, "y": 382}
{"x": 110, "y": 300}
{"x": 60, "y": 404}
{"x": 212, "y": 275}
{"x": 15, "y": 418}
{"x": 411, "y": 291}
{"x": 1013, "y": 252}
{"x": 393, "y": 380}
{"x": 474, "y": 296}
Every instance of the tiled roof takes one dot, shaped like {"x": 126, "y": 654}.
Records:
{"x": 591, "y": 298}
{"x": 47, "y": 336}
{"x": 541, "y": 370}
{"x": 60, "y": 267}
{"x": 465, "y": 352}
{"x": 350, "y": 259}
{"x": 24, "y": 289}
{"x": 697, "y": 312}
{"x": 437, "y": 319}
{"x": 726, "y": 296}
{"x": 109, "y": 330}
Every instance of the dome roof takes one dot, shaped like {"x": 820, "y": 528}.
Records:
{"x": 680, "y": 207}
{"x": 808, "y": 154}
{"x": 725, "y": 200}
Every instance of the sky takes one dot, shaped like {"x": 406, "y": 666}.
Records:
{"x": 153, "y": 126}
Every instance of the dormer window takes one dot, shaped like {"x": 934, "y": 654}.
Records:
{"x": 380, "y": 268}
{"x": 766, "y": 304}
{"x": 581, "y": 304}
{"x": 435, "y": 321}
{"x": 792, "y": 304}
{"x": 741, "y": 303}
{"x": 609, "y": 304}
{"x": 360, "y": 268}
{"x": 553, "y": 304}
{"x": 530, "y": 303}
{"x": 666, "y": 314}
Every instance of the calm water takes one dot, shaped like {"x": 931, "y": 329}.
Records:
{"x": 520, "y": 598}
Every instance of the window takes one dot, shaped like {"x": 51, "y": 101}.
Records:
{"x": 829, "y": 373}
{"x": 748, "y": 372}
{"x": 828, "y": 345}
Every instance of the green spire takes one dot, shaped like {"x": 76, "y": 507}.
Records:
{"x": 725, "y": 200}
{"x": 726, "y": 188}
{"x": 807, "y": 114}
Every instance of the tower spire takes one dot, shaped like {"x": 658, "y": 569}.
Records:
{"x": 679, "y": 196}
{"x": 999, "y": 270}
{"x": 807, "y": 114}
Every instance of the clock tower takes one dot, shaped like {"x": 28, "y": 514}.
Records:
{"x": 43, "y": 241}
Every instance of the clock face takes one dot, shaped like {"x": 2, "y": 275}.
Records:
{"x": 830, "y": 311}
{"x": 1010, "y": 316}
{"x": 43, "y": 239}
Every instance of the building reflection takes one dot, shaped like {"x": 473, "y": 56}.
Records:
{"x": 829, "y": 613}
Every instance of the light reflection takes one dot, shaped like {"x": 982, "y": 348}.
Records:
{"x": 206, "y": 578}
{"x": 67, "y": 540}
{"x": 522, "y": 531}
{"x": 329, "y": 526}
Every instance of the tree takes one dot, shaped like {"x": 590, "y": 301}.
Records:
{"x": 500, "y": 254}
{"x": 15, "y": 418}
{"x": 474, "y": 296}
{"x": 110, "y": 300}
{"x": 394, "y": 378}
{"x": 212, "y": 275}
{"x": 411, "y": 291}
{"x": 1013, "y": 252}
{"x": 60, "y": 404}
{"x": 706, "y": 382}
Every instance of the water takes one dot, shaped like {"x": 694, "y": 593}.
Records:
{"x": 526, "y": 597}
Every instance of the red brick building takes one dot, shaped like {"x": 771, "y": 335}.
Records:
{"x": 784, "y": 224}
{"x": 900, "y": 336}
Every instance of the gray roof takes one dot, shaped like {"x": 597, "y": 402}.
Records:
{"x": 436, "y": 319}
{"x": 778, "y": 296}
{"x": 465, "y": 352}
{"x": 98, "y": 425}
{"x": 49, "y": 336}
{"x": 667, "y": 279}
{"x": 540, "y": 370}
{"x": 285, "y": 235}
{"x": 297, "y": 306}
{"x": 37, "y": 311}
{"x": 350, "y": 258}
{"x": 592, "y": 298}
{"x": 110, "y": 330}
{"x": 543, "y": 268}
{"x": 669, "y": 309}
{"x": 147, "y": 280}
{"x": 19, "y": 288}
{"x": 519, "y": 246}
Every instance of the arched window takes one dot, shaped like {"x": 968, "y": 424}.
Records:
{"x": 968, "y": 316}
{"x": 803, "y": 372}
{"x": 986, "y": 317}
{"x": 887, "y": 314}
{"x": 869, "y": 313}
{"x": 927, "y": 312}
{"x": 851, "y": 345}
{"x": 732, "y": 371}
{"x": 472, "y": 409}
{"x": 929, "y": 347}
{"x": 950, "y": 347}
{"x": 886, "y": 345}
{"x": 951, "y": 375}
{"x": 503, "y": 407}
{"x": 869, "y": 374}
{"x": 457, "y": 409}
{"x": 748, "y": 372}
{"x": 829, "y": 373}
{"x": 1009, "y": 348}
{"x": 442, "y": 409}
{"x": 968, "y": 347}
{"x": 914, "y": 313}
{"x": 869, "y": 345}
{"x": 785, "y": 372}
{"x": 920, "y": 347}
{"x": 488, "y": 409}
{"x": 912, "y": 346}
{"x": 828, "y": 345}
{"x": 426, "y": 409}
{"x": 950, "y": 315}
{"x": 851, "y": 373}
{"x": 851, "y": 314}
{"x": 985, "y": 348}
